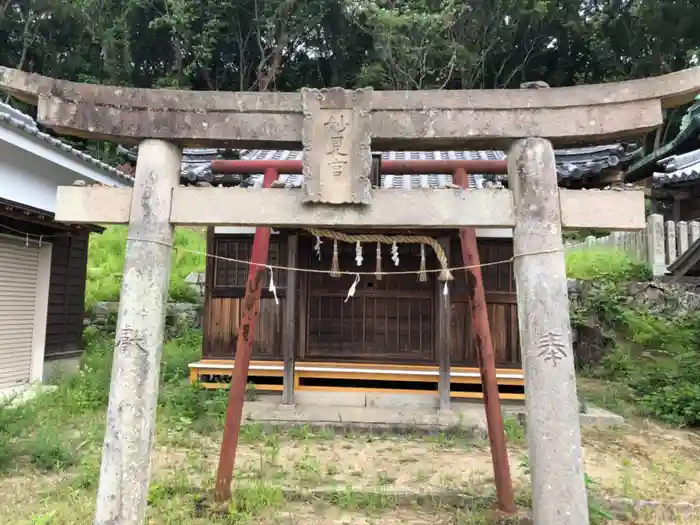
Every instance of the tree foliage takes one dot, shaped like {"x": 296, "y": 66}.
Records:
{"x": 403, "y": 44}
{"x": 388, "y": 44}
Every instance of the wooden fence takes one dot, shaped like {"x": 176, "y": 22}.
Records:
{"x": 658, "y": 245}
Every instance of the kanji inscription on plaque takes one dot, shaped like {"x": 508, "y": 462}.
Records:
{"x": 336, "y": 127}
{"x": 551, "y": 347}
{"x": 337, "y": 159}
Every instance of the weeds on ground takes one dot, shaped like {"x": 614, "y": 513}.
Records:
{"x": 65, "y": 427}
{"x": 53, "y": 429}
{"x": 48, "y": 430}
{"x": 652, "y": 359}
{"x": 106, "y": 253}
{"x": 251, "y": 500}
{"x": 514, "y": 430}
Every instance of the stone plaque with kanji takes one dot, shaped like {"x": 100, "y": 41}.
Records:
{"x": 337, "y": 158}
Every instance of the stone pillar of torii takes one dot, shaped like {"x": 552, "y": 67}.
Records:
{"x": 337, "y": 128}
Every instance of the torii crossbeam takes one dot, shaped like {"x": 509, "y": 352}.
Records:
{"x": 336, "y": 129}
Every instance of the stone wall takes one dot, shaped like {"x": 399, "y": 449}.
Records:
{"x": 178, "y": 315}
{"x": 662, "y": 297}
{"x": 666, "y": 296}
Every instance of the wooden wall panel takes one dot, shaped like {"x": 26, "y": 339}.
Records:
{"x": 370, "y": 328}
{"x": 222, "y": 329}
{"x": 497, "y": 277}
{"x": 66, "y": 309}
{"x": 225, "y": 288}
{"x": 229, "y": 277}
{"x": 503, "y": 322}
{"x": 499, "y": 283}
{"x": 209, "y": 346}
{"x": 390, "y": 320}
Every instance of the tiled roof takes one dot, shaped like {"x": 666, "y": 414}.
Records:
{"x": 650, "y": 165}
{"x": 580, "y": 163}
{"x": 572, "y": 164}
{"x": 679, "y": 169}
{"x": 26, "y": 124}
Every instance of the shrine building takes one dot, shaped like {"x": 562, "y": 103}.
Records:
{"x": 386, "y": 337}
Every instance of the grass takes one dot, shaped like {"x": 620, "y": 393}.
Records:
{"x": 651, "y": 362}
{"x": 50, "y": 450}
{"x": 50, "y": 455}
{"x": 50, "y": 447}
{"x": 106, "y": 262}
{"x": 604, "y": 264}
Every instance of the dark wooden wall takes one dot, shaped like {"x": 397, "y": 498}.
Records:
{"x": 388, "y": 321}
{"x": 64, "y": 323}
{"x": 683, "y": 204}
{"x": 392, "y": 320}
{"x": 689, "y": 209}
{"x": 499, "y": 284}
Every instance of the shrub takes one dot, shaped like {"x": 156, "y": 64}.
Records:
{"x": 252, "y": 500}
{"x": 48, "y": 450}
{"x": 178, "y": 353}
{"x": 106, "y": 263}
{"x": 608, "y": 265}
{"x": 88, "y": 390}
{"x": 44, "y": 429}
{"x": 6, "y": 449}
{"x": 655, "y": 358}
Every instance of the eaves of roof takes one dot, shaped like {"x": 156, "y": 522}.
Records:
{"x": 686, "y": 141}
{"x": 679, "y": 169}
{"x": 26, "y": 124}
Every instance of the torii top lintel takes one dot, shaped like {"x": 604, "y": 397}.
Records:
{"x": 567, "y": 116}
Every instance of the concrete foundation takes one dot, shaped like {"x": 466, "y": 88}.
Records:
{"x": 366, "y": 399}
{"x": 56, "y": 369}
{"x": 388, "y": 411}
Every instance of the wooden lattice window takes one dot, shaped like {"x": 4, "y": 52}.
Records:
{"x": 230, "y": 277}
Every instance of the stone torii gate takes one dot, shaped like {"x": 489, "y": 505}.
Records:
{"x": 336, "y": 129}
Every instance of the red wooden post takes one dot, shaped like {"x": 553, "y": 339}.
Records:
{"x": 244, "y": 348}
{"x": 487, "y": 363}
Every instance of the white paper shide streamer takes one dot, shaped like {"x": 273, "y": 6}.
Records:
{"x": 317, "y": 247}
{"x": 272, "y": 288}
{"x": 353, "y": 287}
{"x": 395, "y": 253}
{"x": 422, "y": 274}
